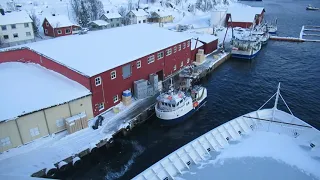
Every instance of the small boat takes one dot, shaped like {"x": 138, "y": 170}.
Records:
{"x": 311, "y": 8}
{"x": 175, "y": 105}
{"x": 264, "y": 36}
{"x": 272, "y": 29}
{"x": 245, "y": 48}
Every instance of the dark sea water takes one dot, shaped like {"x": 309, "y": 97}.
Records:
{"x": 235, "y": 88}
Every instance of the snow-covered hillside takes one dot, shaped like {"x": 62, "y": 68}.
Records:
{"x": 183, "y": 11}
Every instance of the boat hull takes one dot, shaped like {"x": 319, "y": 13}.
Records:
{"x": 245, "y": 55}
{"x": 184, "y": 117}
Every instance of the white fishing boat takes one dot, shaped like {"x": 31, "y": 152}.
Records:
{"x": 309, "y": 7}
{"x": 245, "y": 48}
{"x": 264, "y": 36}
{"x": 284, "y": 145}
{"x": 175, "y": 105}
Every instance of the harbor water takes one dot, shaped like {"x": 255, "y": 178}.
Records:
{"x": 235, "y": 88}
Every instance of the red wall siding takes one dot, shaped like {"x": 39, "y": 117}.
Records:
{"x": 240, "y": 24}
{"x": 210, "y": 47}
{"x": 25, "y": 55}
{"x": 49, "y": 28}
{"x": 194, "y": 52}
{"x": 104, "y": 93}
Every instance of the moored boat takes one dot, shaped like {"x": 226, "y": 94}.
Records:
{"x": 290, "y": 140}
{"x": 176, "y": 105}
{"x": 245, "y": 48}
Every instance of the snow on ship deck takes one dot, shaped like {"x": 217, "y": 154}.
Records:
{"x": 256, "y": 135}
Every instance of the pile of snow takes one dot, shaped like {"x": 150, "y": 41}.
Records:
{"x": 30, "y": 87}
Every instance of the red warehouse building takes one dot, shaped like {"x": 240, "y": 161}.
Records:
{"x": 59, "y": 25}
{"x": 244, "y": 16}
{"x": 114, "y": 59}
{"x": 207, "y": 42}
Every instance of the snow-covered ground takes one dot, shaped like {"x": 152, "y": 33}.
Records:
{"x": 262, "y": 155}
{"x": 46, "y": 151}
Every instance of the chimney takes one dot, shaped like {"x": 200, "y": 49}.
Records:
{"x": 2, "y": 11}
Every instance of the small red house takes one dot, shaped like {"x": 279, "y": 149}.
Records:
{"x": 244, "y": 16}
{"x": 59, "y": 25}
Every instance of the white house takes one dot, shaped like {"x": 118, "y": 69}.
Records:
{"x": 114, "y": 19}
{"x": 137, "y": 16}
{"x": 15, "y": 27}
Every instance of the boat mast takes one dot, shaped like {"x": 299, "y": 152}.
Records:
{"x": 277, "y": 97}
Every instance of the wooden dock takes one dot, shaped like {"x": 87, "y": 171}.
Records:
{"x": 289, "y": 39}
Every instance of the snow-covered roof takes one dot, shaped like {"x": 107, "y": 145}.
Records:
{"x": 112, "y": 15}
{"x": 242, "y": 13}
{"x": 163, "y": 13}
{"x": 139, "y": 12}
{"x": 194, "y": 42}
{"x": 28, "y": 87}
{"x": 100, "y": 22}
{"x": 15, "y": 18}
{"x": 99, "y": 51}
{"x": 58, "y": 21}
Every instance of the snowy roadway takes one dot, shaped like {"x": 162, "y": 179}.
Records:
{"x": 47, "y": 151}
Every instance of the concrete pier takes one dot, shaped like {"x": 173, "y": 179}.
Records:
{"x": 289, "y": 39}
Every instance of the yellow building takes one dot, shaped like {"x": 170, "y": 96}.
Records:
{"x": 160, "y": 16}
{"x": 35, "y": 102}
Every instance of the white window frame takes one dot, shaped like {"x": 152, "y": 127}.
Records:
{"x": 174, "y": 68}
{"x": 27, "y": 33}
{"x": 188, "y": 60}
{"x": 68, "y": 32}
{"x": 138, "y": 64}
{"x": 26, "y": 25}
{"x": 34, "y": 131}
{"x": 5, "y": 141}
{"x": 181, "y": 65}
{"x": 60, "y": 123}
{"x": 59, "y": 31}
{"x": 101, "y": 106}
{"x": 46, "y": 31}
{"x": 175, "y": 49}
{"x": 97, "y": 81}
{"x": 16, "y": 34}
{"x": 184, "y": 45}
{"x": 113, "y": 74}
{"x": 160, "y": 55}
{"x": 168, "y": 52}
{"x": 47, "y": 24}
{"x": 188, "y": 44}
{"x": 179, "y": 47}
{"x": 150, "y": 59}
{"x": 115, "y": 98}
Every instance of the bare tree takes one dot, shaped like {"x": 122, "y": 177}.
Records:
{"x": 35, "y": 22}
{"x": 123, "y": 12}
{"x": 95, "y": 9}
{"x": 130, "y": 5}
{"x": 225, "y": 2}
{"x": 75, "y": 6}
{"x": 84, "y": 16}
{"x": 177, "y": 2}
